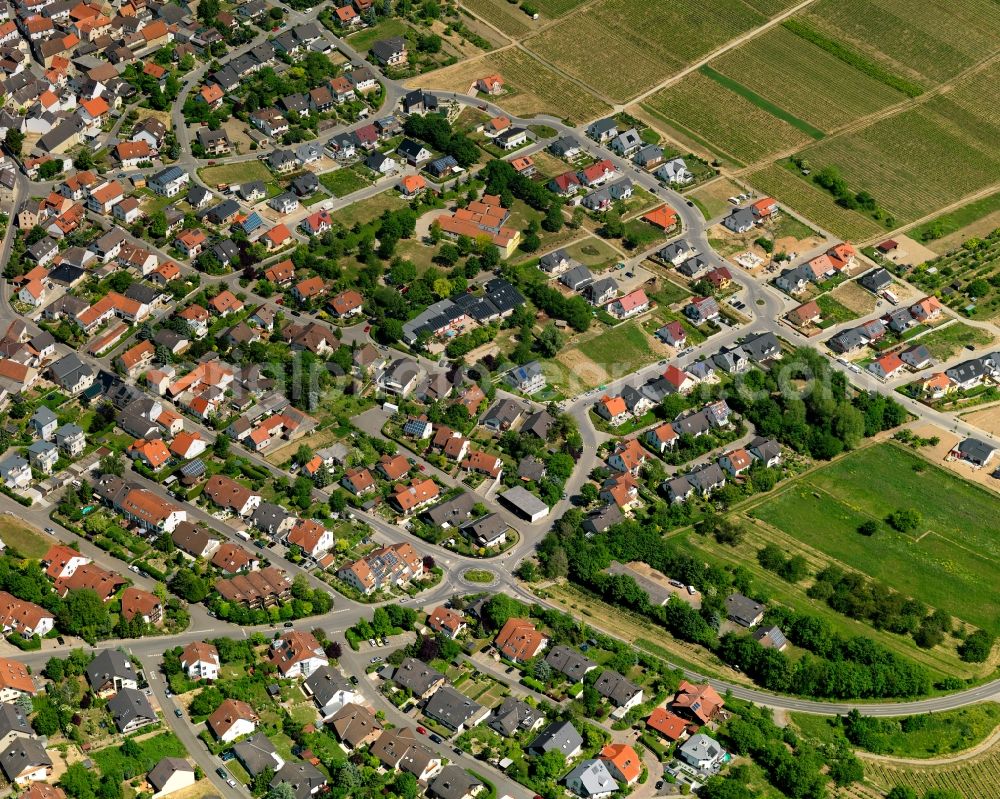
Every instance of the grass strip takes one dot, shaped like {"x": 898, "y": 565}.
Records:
{"x": 853, "y": 58}
{"x": 761, "y": 102}
{"x": 953, "y": 221}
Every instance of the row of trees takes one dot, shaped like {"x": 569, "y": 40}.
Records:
{"x": 854, "y": 667}
{"x": 805, "y": 404}
{"x": 437, "y": 132}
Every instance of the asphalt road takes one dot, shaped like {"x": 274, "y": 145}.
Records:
{"x": 764, "y": 303}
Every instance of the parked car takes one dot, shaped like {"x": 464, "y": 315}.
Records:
{"x": 421, "y": 730}
{"x": 437, "y": 739}
{"x": 178, "y": 712}
{"x": 222, "y": 773}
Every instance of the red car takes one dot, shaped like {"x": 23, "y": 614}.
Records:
{"x": 368, "y": 328}
{"x": 421, "y": 730}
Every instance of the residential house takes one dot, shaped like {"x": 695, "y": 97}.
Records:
{"x": 454, "y": 710}
{"x": 519, "y": 640}
{"x": 233, "y": 719}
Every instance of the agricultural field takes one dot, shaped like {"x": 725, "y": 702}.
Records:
{"x": 945, "y": 342}
{"x": 813, "y": 203}
{"x": 505, "y": 17}
{"x": 972, "y": 778}
{"x": 941, "y": 661}
{"x": 928, "y": 156}
{"x": 951, "y": 562}
{"x": 653, "y": 40}
{"x": 531, "y": 87}
{"x": 929, "y": 47}
{"x": 805, "y": 80}
{"x": 727, "y": 121}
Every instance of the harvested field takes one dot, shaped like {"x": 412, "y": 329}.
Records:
{"x": 532, "y": 88}
{"x": 813, "y": 203}
{"x": 738, "y": 127}
{"x": 805, "y": 80}
{"x": 655, "y": 40}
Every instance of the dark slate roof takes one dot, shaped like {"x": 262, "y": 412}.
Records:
{"x": 569, "y": 662}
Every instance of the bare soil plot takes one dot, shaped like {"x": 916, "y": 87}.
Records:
{"x": 238, "y": 136}
{"x": 531, "y": 87}
{"x": 987, "y": 419}
{"x": 713, "y": 198}
{"x": 854, "y": 297}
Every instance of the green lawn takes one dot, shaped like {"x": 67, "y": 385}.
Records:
{"x": 151, "y": 751}
{"x": 343, "y": 181}
{"x": 952, "y": 560}
{"x": 625, "y": 347}
{"x": 928, "y": 735}
{"x": 26, "y": 539}
{"x": 242, "y": 172}
{"x": 669, "y": 293}
{"x": 593, "y": 253}
{"x": 313, "y": 199}
{"x": 833, "y": 311}
{"x": 944, "y": 342}
{"x": 367, "y": 210}
{"x": 363, "y": 40}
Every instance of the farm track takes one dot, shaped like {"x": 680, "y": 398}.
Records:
{"x": 945, "y": 209}
{"x": 730, "y": 45}
{"x": 863, "y": 122}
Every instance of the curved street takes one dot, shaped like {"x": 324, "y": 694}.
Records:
{"x": 764, "y": 303}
